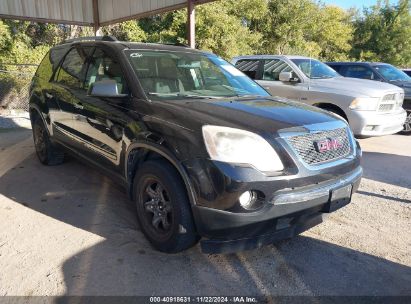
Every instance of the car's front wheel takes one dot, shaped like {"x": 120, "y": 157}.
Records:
{"x": 163, "y": 208}
{"x": 407, "y": 124}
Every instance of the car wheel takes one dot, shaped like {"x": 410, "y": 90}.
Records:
{"x": 163, "y": 208}
{"x": 47, "y": 153}
{"x": 407, "y": 124}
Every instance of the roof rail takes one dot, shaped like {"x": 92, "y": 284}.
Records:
{"x": 175, "y": 44}
{"x": 91, "y": 38}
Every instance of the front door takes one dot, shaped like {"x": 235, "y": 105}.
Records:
{"x": 101, "y": 120}
{"x": 271, "y": 82}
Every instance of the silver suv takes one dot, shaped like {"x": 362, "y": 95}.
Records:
{"x": 372, "y": 109}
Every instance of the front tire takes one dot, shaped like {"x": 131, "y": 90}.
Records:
{"x": 47, "y": 153}
{"x": 163, "y": 208}
{"x": 407, "y": 124}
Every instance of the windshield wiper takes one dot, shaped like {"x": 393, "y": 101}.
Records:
{"x": 183, "y": 95}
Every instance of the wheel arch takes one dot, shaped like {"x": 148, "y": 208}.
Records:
{"x": 330, "y": 107}
{"x": 35, "y": 111}
{"x": 139, "y": 152}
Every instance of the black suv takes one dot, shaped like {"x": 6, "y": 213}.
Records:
{"x": 203, "y": 151}
{"x": 380, "y": 72}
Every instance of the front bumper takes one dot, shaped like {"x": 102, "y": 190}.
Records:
{"x": 372, "y": 123}
{"x": 290, "y": 212}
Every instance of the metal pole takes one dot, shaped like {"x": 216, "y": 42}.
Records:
{"x": 96, "y": 19}
{"x": 191, "y": 23}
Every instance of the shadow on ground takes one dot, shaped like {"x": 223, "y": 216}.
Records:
{"x": 387, "y": 168}
{"x": 125, "y": 264}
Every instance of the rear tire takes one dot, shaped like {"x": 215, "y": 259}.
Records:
{"x": 46, "y": 151}
{"x": 163, "y": 208}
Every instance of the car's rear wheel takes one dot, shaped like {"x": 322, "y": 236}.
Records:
{"x": 163, "y": 208}
{"x": 47, "y": 153}
{"x": 407, "y": 124}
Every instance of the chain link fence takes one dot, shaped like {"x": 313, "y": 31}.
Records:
{"x": 15, "y": 82}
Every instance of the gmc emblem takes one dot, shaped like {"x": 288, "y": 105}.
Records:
{"x": 328, "y": 144}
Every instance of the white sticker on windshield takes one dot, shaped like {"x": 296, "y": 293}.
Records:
{"x": 136, "y": 55}
{"x": 232, "y": 70}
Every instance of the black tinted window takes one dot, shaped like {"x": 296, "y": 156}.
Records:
{"x": 248, "y": 67}
{"x": 103, "y": 67}
{"x": 358, "y": 71}
{"x": 335, "y": 67}
{"x": 50, "y": 62}
{"x": 73, "y": 69}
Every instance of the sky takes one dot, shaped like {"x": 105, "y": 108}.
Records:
{"x": 353, "y": 3}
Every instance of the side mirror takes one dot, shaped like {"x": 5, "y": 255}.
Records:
{"x": 287, "y": 77}
{"x": 105, "y": 88}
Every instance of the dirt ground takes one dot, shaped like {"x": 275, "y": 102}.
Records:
{"x": 69, "y": 230}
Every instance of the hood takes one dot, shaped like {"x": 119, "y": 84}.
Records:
{"x": 262, "y": 115}
{"x": 353, "y": 86}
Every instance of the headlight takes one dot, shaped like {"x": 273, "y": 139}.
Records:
{"x": 365, "y": 104}
{"x": 240, "y": 147}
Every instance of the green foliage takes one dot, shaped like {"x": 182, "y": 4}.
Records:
{"x": 126, "y": 31}
{"x": 237, "y": 27}
{"x": 383, "y": 33}
{"x": 305, "y": 27}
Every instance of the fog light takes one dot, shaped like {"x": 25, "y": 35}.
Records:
{"x": 370, "y": 128}
{"x": 248, "y": 200}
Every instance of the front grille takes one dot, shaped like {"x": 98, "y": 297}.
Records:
{"x": 386, "y": 107}
{"x": 389, "y": 97}
{"x": 304, "y": 146}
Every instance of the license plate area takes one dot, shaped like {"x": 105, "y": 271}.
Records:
{"x": 339, "y": 198}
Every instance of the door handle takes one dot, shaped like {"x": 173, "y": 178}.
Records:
{"x": 78, "y": 106}
{"x": 49, "y": 96}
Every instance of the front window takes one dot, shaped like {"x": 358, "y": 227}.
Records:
{"x": 167, "y": 74}
{"x": 391, "y": 73}
{"x": 315, "y": 69}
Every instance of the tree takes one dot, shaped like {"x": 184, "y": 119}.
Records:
{"x": 126, "y": 31}
{"x": 383, "y": 33}
{"x": 305, "y": 27}
{"x": 219, "y": 28}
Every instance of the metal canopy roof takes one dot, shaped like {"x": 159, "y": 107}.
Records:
{"x": 88, "y": 12}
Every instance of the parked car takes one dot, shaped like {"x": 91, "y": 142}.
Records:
{"x": 407, "y": 71}
{"x": 202, "y": 150}
{"x": 371, "y": 109}
{"x": 380, "y": 72}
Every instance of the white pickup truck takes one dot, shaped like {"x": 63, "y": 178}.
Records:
{"x": 371, "y": 108}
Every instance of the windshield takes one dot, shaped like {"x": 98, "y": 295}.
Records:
{"x": 315, "y": 69}
{"x": 167, "y": 74}
{"x": 391, "y": 73}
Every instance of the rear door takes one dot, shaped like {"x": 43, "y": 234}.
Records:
{"x": 68, "y": 89}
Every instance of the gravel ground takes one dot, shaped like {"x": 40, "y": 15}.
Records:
{"x": 69, "y": 230}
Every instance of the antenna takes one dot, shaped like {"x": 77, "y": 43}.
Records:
{"x": 309, "y": 78}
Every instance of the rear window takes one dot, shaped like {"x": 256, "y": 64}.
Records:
{"x": 248, "y": 67}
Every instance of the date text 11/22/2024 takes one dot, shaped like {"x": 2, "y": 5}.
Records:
{"x": 204, "y": 299}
